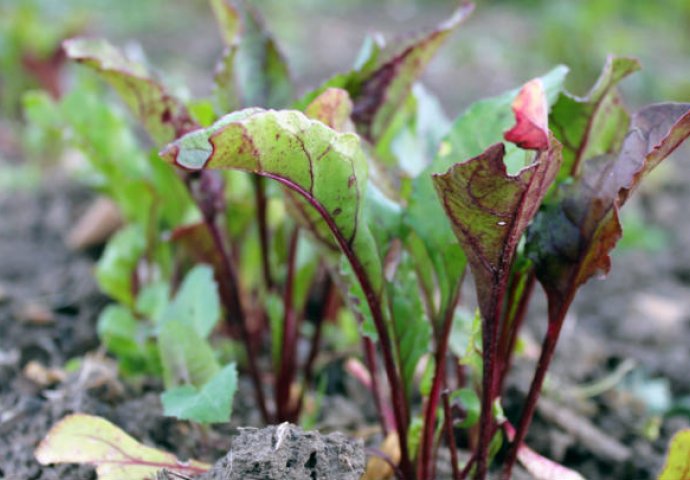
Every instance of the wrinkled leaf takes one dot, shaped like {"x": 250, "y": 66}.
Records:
{"x": 81, "y": 438}
{"x": 164, "y": 116}
{"x": 325, "y": 172}
{"x": 596, "y": 124}
{"x": 677, "y": 466}
{"x": 212, "y": 403}
{"x": 383, "y": 81}
{"x": 186, "y": 357}
{"x": 531, "y": 110}
{"x": 490, "y": 209}
{"x": 570, "y": 240}
{"x": 196, "y": 302}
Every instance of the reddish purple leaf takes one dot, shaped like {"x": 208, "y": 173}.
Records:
{"x": 531, "y": 110}
{"x": 570, "y": 240}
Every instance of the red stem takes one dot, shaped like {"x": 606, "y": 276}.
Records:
{"x": 308, "y": 368}
{"x": 397, "y": 390}
{"x": 261, "y": 213}
{"x": 427, "y": 442}
{"x": 556, "y": 317}
{"x": 448, "y": 421}
{"x": 286, "y": 375}
{"x": 387, "y": 423}
{"x": 236, "y": 312}
{"x": 508, "y": 339}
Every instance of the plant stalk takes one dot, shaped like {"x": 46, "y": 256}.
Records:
{"x": 398, "y": 392}
{"x": 556, "y": 319}
{"x": 262, "y": 220}
{"x": 235, "y": 310}
{"x": 448, "y": 422}
{"x": 286, "y": 375}
{"x": 425, "y": 458}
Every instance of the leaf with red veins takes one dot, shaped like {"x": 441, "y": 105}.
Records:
{"x": 490, "y": 209}
{"x": 379, "y": 88}
{"x": 595, "y": 124}
{"x": 323, "y": 171}
{"x": 531, "y": 110}
{"x": 570, "y": 240}
{"x": 164, "y": 116}
{"x": 81, "y": 438}
{"x": 333, "y": 108}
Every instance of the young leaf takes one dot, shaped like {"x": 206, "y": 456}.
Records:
{"x": 211, "y": 403}
{"x": 228, "y": 19}
{"x": 127, "y": 338}
{"x": 187, "y": 358}
{"x": 490, "y": 209}
{"x": 164, "y": 116}
{"x": 80, "y": 438}
{"x": 115, "y": 269}
{"x": 570, "y": 240}
{"x": 677, "y": 466}
{"x": 196, "y": 302}
{"x": 333, "y": 108}
{"x": 594, "y": 125}
{"x": 531, "y": 131}
{"x": 379, "y": 88}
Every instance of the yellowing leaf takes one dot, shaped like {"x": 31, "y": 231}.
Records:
{"x": 81, "y": 438}
{"x": 677, "y": 465}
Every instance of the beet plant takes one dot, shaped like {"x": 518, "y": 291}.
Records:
{"x": 361, "y": 190}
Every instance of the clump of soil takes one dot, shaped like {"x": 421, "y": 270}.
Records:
{"x": 286, "y": 452}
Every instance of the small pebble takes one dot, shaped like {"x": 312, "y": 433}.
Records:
{"x": 36, "y": 314}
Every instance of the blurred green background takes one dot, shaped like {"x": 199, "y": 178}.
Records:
{"x": 503, "y": 44}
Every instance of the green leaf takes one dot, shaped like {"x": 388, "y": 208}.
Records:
{"x": 490, "y": 209}
{"x": 164, "y": 116}
{"x": 411, "y": 326}
{"x": 594, "y": 125}
{"x": 116, "y": 267}
{"x": 196, "y": 303}
{"x": 80, "y": 438}
{"x": 325, "y": 172}
{"x": 186, "y": 357}
{"x": 470, "y": 404}
{"x": 482, "y": 124}
{"x": 252, "y": 71}
{"x": 677, "y": 466}
{"x": 153, "y": 300}
{"x": 381, "y": 84}
{"x": 212, "y": 403}
{"x": 129, "y": 340}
